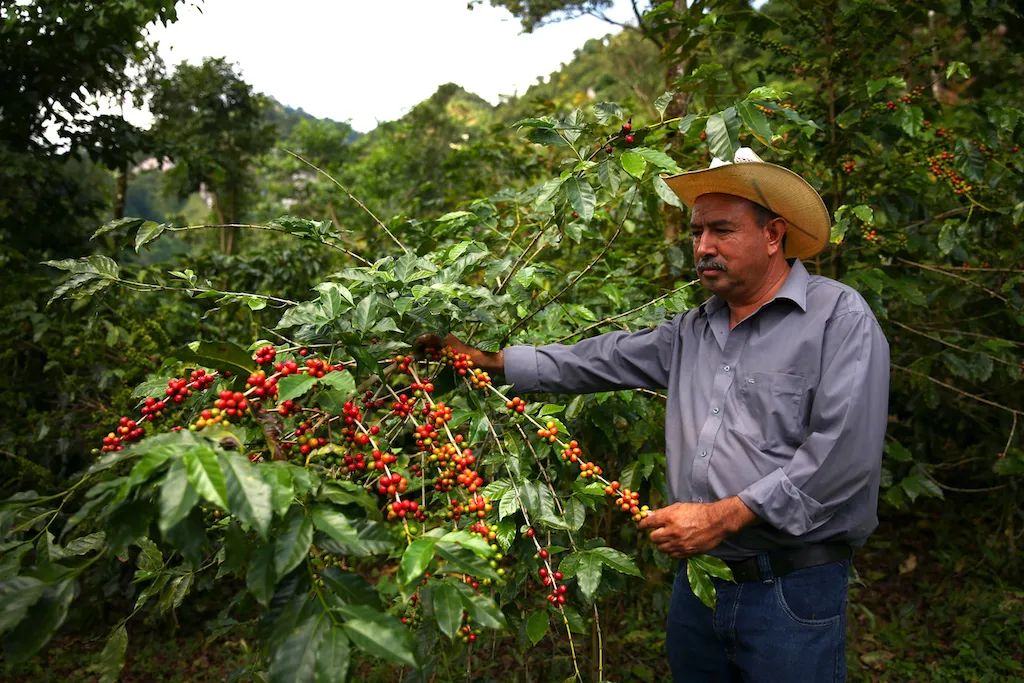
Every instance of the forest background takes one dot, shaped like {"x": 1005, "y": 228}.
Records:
{"x": 540, "y": 219}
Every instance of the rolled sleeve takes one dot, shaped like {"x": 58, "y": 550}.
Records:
{"x": 839, "y": 462}
{"x": 617, "y": 360}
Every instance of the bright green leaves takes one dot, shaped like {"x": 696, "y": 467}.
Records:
{"x": 587, "y": 566}
{"x": 86, "y": 276}
{"x": 249, "y": 495}
{"x": 416, "y": 559}
{"x": 581, "y": 197}
{"x": 537, "y": 626}
{"x": 220, "y": 355}
{"x": 699, "y": 571}
{"x": 205, "y": 474}
{"x": 447, "y": 603}
{"x": 723, "y": 134}
{"x": 378, "y": 634}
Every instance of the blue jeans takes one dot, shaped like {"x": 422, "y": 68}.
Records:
{"x": 789, "y": 628}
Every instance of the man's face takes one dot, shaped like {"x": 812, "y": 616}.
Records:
{"x": 731, "y": 251}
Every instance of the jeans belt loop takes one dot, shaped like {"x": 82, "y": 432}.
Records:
{"x": 764, "y": 568}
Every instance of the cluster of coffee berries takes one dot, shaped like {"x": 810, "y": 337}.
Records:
{"x": 627, "y": 132}
{"x": 572, "y": 451}
{"x": 849, "y": 166}
{"x": 400, "y": 509}
{"x": 151, "y": 408}
{"x": 589, "y": 470}
{"x": 440, "y": 414}
{"x": 285, "y": 368}
{"x": 517, "y": 404}
{"x": 460, "y": 361}
{"x": 549, "y": 431}
{"x": 628, "y": 501}
{"x": 233, "y": 403}
{"x": 179, "y": 388}
{"x": 287, "y": 408}
{"x": 353, "y": 462}
{"x": 391, "y": 484}
{"x": 404, "y": 406}
{"x": 402, "y": 363}
{"x": 550, "y": 579}
{"x": 480, "y": 379}
{"x": 316, "y": 367}
{"x": 265, "y": 354}
{"x": 208, "y": 418}
{"x": 381, "y": 460}
{"x": 941, "y": 166}
{"x": 127, "y": 430}
{"x": 871, "y": 235}
{"x": 263, "y": 386}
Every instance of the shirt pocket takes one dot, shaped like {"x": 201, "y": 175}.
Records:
{"x": 772, "y": 406}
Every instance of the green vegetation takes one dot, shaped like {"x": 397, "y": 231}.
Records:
{"x": 533, "y": 221}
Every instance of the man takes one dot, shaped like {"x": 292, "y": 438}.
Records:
{"x": 777, "y": 400}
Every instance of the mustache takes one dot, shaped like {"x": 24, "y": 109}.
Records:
{"x": 710, "y": 263}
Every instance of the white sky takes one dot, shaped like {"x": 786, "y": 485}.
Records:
{"x": 366, "y": 61}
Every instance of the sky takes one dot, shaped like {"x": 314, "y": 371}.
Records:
{"x": 367, "y": 61}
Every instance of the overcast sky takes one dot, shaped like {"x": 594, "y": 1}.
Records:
{"x": 366, "y": 61}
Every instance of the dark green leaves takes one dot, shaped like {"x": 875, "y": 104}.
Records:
{"x": 86, "y": 276}
{"x": 249, "y": 496}
{"x": 447, "y": 604}
{"x": 723, "y": 131}
{"x": 699, "y": 571}
{"x": 220, "y": 355}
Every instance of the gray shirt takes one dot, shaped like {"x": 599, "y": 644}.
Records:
{"x": 787, "y": 410}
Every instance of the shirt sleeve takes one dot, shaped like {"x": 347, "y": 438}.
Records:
{"x": 617, "y": 360}
{"x": 841, "y": 458}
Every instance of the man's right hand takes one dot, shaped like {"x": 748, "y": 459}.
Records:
{"x": 485, "y": 360}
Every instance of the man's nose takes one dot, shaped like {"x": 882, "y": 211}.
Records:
{"x": 704, "y": 244}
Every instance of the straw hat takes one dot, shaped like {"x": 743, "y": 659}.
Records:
{"x": 776, "y": 188}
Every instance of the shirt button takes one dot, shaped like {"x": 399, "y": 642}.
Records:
{"x": 750, "y": 380}
{"x": 715, "y": 411}
{"x": 703, "y": 454}
{"x": 726, "y": 368}
{"x": 700, "y": 500}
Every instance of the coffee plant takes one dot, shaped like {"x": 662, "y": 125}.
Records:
{"x": 357, "y": 492}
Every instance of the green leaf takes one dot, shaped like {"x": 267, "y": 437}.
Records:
{"x": 363, "y": 316}
{"x": 292, "y": 541}
{"x": 150, "y": 558}
{"x": 659, "y": 159}
{"x": 111, "y": 660}
{"x": 220, "y": 355}
{"x": 416, "y": 559}
{"x": 958, "y": 68}
{"x": 351, "y": 588}
{"x": 660, "y": 105}
{"x": 713, "y": 566}
{"x": 16, "y": 596}
{"x": 295, "y": 659}
{"x": 278, "y": 476}
{"x": 633, "y": 163}
{"x": 755, "y": 121}
{"x": 880, "y": 84}
{"x": 260, "y": 578}
{"x": 380, "y": 635}
{"x": 332, "y": 659}
{"x": 336, "y": 525}
{"x": 588, "y": 573}
{"x": 606, "y": 112}
{"x": 665, "y": 193}
{"x": 898, "y": 452}
{"x": 205, "y": 474}
{"x": 249, "y": 496}
{"x": 481, "y": 608}
{"x": 581, "y": 197}
{"x": 293, "y": 386}
{"x": 723, "y": 131}
{"x": 341, "y": 380}
{"x": 177, "y": 497}
{"x": 700, "y": 583}
{"x": 148, "y": 232}
{"x": 48, "y": 614}
{"x": 537, "y": 626}
{"x": 508, "y": 505}
{"x": 447, "y": 607}
{"x": 127, "y": 224}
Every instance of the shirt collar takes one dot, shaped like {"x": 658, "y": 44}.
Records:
{"x": 794, "y": 289}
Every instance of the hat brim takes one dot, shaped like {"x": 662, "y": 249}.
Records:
{"x": 776, "y": 188}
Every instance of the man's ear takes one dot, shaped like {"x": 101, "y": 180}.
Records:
{"x": 775, "y": 231}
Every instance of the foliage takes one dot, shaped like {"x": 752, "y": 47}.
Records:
{"x": 210, "y": 123}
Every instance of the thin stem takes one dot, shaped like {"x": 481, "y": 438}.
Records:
{"x": 979, "y": 399}
{"x": 950, "y": 344}
{"x": 961, "y": 278}
{"x": 631, "y": 311}
{"x": 268, "y": 228}
{"x": 352, "y": 197}
{"x": 577, "y": 278}
{"x": 147, "y": 286}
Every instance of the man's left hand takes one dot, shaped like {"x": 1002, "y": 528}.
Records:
{"x": 684, "y": 529}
